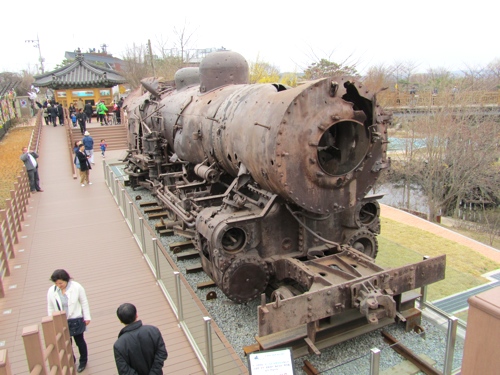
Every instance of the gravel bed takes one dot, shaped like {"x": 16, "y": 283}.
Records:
{"x": 239, "y": 325}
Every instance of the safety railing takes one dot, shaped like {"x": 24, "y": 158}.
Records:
{"x": 203, "y": 335}
{"x": 5, "y": 368}
{"x": 10, "y": 223}
{"x": 12, "y": 216}
{"x": 56, "y": 351}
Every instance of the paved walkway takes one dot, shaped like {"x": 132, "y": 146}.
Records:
{"x": 82, "y": 230}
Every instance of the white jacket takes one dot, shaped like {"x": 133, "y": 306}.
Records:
{"x": 78, "y": 305}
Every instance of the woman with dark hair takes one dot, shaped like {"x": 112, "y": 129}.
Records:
{"x": 68, "y": 295}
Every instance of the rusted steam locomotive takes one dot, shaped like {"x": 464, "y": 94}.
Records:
{"x": 271, "y": 184}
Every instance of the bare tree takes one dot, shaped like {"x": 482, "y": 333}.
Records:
{"x": 457, "y": 162}
{"x": 184, "y": 38}
{"x": 136, "y": 67}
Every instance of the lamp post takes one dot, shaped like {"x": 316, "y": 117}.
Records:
{"x": 36, "y": 44}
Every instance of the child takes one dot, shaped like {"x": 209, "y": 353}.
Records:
{"x": 73, "y": 119}
{"x": 103, "y": 147}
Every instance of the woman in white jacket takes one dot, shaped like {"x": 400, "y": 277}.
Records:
{"x": 68, "y": 295}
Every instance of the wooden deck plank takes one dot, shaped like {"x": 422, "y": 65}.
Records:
{"x": 83, "y": 231}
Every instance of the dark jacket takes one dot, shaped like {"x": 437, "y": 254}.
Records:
{"x": 53, "y": 111}
{"x": 140, "y": 349}
{"x": 81, "y": 117}
{"x": 88, "y": 109}
{"x": 84, "y": 161}
{"x": 88, "y": 142}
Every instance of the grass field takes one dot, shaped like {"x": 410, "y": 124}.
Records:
{"x": 10, "y": 150}
{"x": 400, "y": 244}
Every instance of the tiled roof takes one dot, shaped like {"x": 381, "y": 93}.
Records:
{"x": 80, "y": 73}
{"x": 108, "y": 60}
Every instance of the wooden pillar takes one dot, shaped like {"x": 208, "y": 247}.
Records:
{"x": 4, "y": 363}
{"x": 34, "y": 349}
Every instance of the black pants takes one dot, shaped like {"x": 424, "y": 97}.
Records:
{"x": 82, "y": 348}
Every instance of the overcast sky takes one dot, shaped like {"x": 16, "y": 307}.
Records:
{"x": 288, "y": 34}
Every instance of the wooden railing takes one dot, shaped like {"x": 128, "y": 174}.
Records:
{"x": 57, "y": 350}
{"x": 4, "y": 363}
{"x": 12, "y": 216}
{"x": 10, "y": 223}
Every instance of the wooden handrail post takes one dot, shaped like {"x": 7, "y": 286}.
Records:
{"x": 4, "y": 363}
{"x": 34, "y": 349}
{"x": 6, "y": 234}
{"x": 64, "y": 340}
{"x": 59, "y": 360}
{"x": 15, "y": 195}
{"x": 11, "y": 221}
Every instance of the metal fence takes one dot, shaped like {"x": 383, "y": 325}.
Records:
{"x": 204, "y": 337}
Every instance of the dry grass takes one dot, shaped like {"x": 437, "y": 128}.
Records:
{"x": 401, "y": 244}
{"x": 10, "y": 151}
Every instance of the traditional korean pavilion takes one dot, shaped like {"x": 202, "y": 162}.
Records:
{"x": 81, "y": 80}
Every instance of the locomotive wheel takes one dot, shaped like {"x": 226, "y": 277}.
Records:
{"x": 245, "y": 279}
{"x": 364, "y": 241}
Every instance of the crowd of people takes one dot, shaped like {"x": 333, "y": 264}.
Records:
{"x": 81, "y": 114}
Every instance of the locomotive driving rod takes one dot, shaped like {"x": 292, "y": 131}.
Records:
{"x": 330, "y": 300}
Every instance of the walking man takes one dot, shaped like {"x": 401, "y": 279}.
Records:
{"x": 29, "y": 159}
{"x": 88, "y": 142}
{"x": 88, "y": 111}
{"x": 140, "y": 349}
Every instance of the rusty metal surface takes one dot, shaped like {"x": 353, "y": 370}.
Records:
{"x": 270, "y": 183}
{"x": 335, "y": 299}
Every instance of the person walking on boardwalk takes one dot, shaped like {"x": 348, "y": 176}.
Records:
{"x": 140, "y": 349}
{"x": 60, "y": 114}
{"x": 88, "y": 112}
{"x": 54, "y": 114}
{"x": 101, "y": 110}
{"x": 68, "y": 295}
{"x": 85, "y": 167}
{"x": 76, "y": 147}
{"x": 29, "y": 159}
{"x": 88, "y": 142}
{"x": 103, "y": 146}
{"x": 81, "y": 119}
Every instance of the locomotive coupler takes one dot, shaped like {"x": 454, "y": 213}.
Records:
{"x": 372, "y": 302}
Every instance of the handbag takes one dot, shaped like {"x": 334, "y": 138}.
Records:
{"x": 76, "y": 326}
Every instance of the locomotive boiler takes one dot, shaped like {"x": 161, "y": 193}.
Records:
{"x": 271, "y": 183}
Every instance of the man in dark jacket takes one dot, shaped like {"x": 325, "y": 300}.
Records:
{"x": 54, "y": 114}
{"x": 140, "y": 349}
{"x": 60, "y": 114}
{"x": 88, "y": 112}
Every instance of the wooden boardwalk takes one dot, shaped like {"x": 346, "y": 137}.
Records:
{"x": 81, "y": 229}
